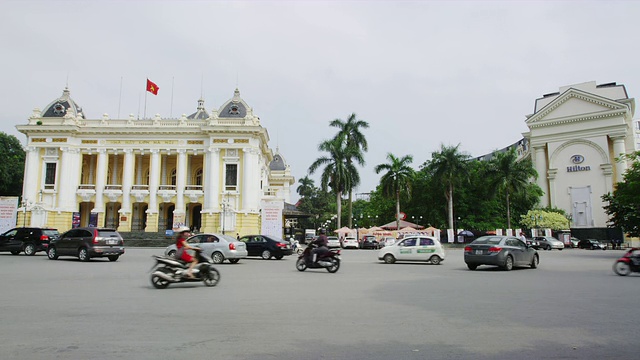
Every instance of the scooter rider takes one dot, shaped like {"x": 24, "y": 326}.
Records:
{"x": 183, "y": 246}
{"x": 322, "y": 248}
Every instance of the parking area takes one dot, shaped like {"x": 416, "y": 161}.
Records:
{"x": 572, "y": 306}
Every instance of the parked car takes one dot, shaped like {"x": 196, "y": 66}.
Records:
{"x": 549, "y": 242}
{"x": 333, "y": 242}
{"x": 369, "y": 242}
{"x": 86, "y": 243}
{"x": 591, "y": 244}
{"x": 266, "y": 246}
{"x": 218, "y": 247}
{"x": 533, "y": 243}
{"x": 574, "y": 242}
{"x": 27, "y": 239}
{"x": 413, "y": 248}
{"x": 387, "y": 241}
{"x": 504, "y": 251}
{"x": 350, "y": 242}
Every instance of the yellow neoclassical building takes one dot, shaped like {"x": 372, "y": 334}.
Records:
{"x": 213, "y": 171}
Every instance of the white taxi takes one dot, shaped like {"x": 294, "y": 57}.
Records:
{"x": 413, "y": 248}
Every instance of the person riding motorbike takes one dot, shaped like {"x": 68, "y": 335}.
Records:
{"x": 183, "y": 246}
{"x": 322, "y": 246}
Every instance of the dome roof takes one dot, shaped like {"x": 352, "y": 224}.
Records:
{"x": 61, "y": 106}
{"x": 200, "y": 113}
{"x": 278, "y": 162}
{"x": 234, "y": 108}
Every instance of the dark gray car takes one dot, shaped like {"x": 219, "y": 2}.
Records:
{"x": 506, "y": 252}
{"x": 86, "y": 243}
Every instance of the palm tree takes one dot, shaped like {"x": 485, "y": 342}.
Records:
{"x": 508, "y": 174}
{"x": 449, "y": 166}
{"x": 350, "y": 133}
{"x": 399, "y": 176}
{"x": 306, "y": 186}
{"x": 338, "y": 173}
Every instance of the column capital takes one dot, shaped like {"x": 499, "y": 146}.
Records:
{"x": 181, "y": 151}
{"x": 31, "y": 149}
{"x": 101, "y": 151}
{"x": 214, "y": 150}
{"x": 128, "y": 151}
{"x": 155, "y": 151}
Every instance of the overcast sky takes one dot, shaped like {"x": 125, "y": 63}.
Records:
{"x": 421, "y": 73}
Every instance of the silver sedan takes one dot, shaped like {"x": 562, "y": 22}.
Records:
{"x": 506, "y": 252}
{"x": 217, "y": 246}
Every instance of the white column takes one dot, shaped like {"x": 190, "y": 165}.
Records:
{"x": 101, "y": 178}
{"x": 92, "y": 170}
{"x": 181, "y": 178}
{"x": 247, "y": 190}
{"x": 213, "y": 174}
{"x": 541, "y": 168}
{"x": 69, "y": 178}
{"x": 139, "y": 169}
{"x": 163, "y": 174}
{"x": 154, "y": 180}
{"x": 618, "y": 150}
{"x": 127, "y": 180}
{"x": 30, "y": 183}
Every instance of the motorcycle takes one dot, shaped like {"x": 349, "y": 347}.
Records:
{"x": 628, "y": 263}
{"x": 295, "y": 246}
{"x": 329, "y": 261}
{"x": 169, "y": 270}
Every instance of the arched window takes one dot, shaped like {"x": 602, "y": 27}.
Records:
{"x": 198, "y": 177}
{"x": 146, "y": 177}
{"x": 173, "y": 177}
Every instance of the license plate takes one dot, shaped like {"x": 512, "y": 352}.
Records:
{"x": 478, "y": 252}
{"x": 112, "y": 242}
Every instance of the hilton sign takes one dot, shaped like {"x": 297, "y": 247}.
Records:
{"x": 577, "y": 160}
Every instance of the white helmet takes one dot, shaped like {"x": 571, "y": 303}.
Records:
{"x": 182, "y": 229}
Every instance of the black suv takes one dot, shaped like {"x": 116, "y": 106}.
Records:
{"x": 86, "y": 243}
{"x": 27, "y": 239}
{"x": 369, "y": 242}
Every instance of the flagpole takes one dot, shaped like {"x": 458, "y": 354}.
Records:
{"x": 171, "y": 111}
{"x": 145, "y": 102}
{"x": 120, "y": 97}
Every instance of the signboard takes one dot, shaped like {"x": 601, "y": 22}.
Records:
{"x": 8, "y": 212}
{"x": 93, "y": 220}
{"x": 178, "y": 221}
{"x": 272, "y": 218}
{"x": 75, "y": 220}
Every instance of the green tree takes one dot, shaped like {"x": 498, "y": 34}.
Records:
{"x": 306, "y": 186}
{"x": 449, "y": 166}
{"x": 510, "y": 176}
{"x": 350, "y": 133}
{"x": 544, "y": 220}
{"x": 338, "y": 174}
{"x": 624, "y": 204}
{"x": 12, "y": 168}
{"x": 398, "y": 177}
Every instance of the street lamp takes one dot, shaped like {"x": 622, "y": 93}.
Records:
{"x": 569, "y": 218}
{"x": 25, "y": 203}
{"x": 535, "y": 219}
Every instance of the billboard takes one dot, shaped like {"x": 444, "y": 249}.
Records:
{"x": 8, "y": 212}
{"x": 272, "y": 218}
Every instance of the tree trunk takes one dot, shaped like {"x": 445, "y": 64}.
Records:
{"x": 508, "y": 211}
{"x": 450, "y": 206}
{"x": 350, "y": 209}
{"x": 339, "y": 206}
{"x": 397, "y": 209}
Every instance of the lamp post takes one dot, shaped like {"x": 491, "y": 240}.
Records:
{"x": 569, "y": 218}
{"x": 535, "y": 219}
{"x": 25, "y": 203}
{"x": 225, "y": 203}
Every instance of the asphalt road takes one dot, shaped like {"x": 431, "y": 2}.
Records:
{"x": 572, "y": 307}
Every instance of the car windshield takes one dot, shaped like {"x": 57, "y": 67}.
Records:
{"x": 487, "y": 240}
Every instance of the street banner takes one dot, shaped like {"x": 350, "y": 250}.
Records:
{"x": 8, "y": 212}
{"x": 272, "y": 222}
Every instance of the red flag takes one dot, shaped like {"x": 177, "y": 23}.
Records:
{"x": 152, "y": 87}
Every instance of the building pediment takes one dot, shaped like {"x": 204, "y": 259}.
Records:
{"x": 575, "y": 105}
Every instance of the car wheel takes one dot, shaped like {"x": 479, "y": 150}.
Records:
{"x": 52, "y": 253}
{"x": 508, "y": 263}
{"x": 83, "y": 254}
{"x": 535, "y": 261}
{"x": 217, "y": 257}
{"x": 15, "y": 252}
{"x": 113, "y": 257}
{"x": 389, "y": 259}
{"x": 172, "y": 253}
{"x": 472, "y": 266}
{"x": 234, "y": 261}
{"x": 435, "y": 260}
{"x": 30, "y": 249}
{"x": 266, "y": 254}
{"x": 279, "y": 257}
{"x": 548, "y": 248}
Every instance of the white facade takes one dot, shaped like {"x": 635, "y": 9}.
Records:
{"x": 208, "y": 171}
{"x": 575, "y": 137}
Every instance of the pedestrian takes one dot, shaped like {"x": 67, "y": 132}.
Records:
{"x": 237, "y": 236}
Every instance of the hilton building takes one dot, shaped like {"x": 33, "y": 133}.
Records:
{"x": 212, "y": 171}
{"x": 575, "y": 138}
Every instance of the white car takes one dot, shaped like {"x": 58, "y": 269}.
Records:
{"x": 413, "y": 248}
{"x": 388, "y": 241}
{"x": 350, "y": 242}
{"x": 333, "y": 242}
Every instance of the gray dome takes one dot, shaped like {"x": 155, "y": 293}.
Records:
{"x": 201, "y": 113}
{"x": 234, "y": 108}
{"x": 277, "y": 163}
{"x": 61, "y": 106}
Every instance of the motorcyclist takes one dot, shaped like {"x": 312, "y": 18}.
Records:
{"x": 183, "y": 246}
{"x": 321, "y": 242}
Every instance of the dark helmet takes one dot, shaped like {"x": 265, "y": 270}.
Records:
{"x": 323, "y": 231}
